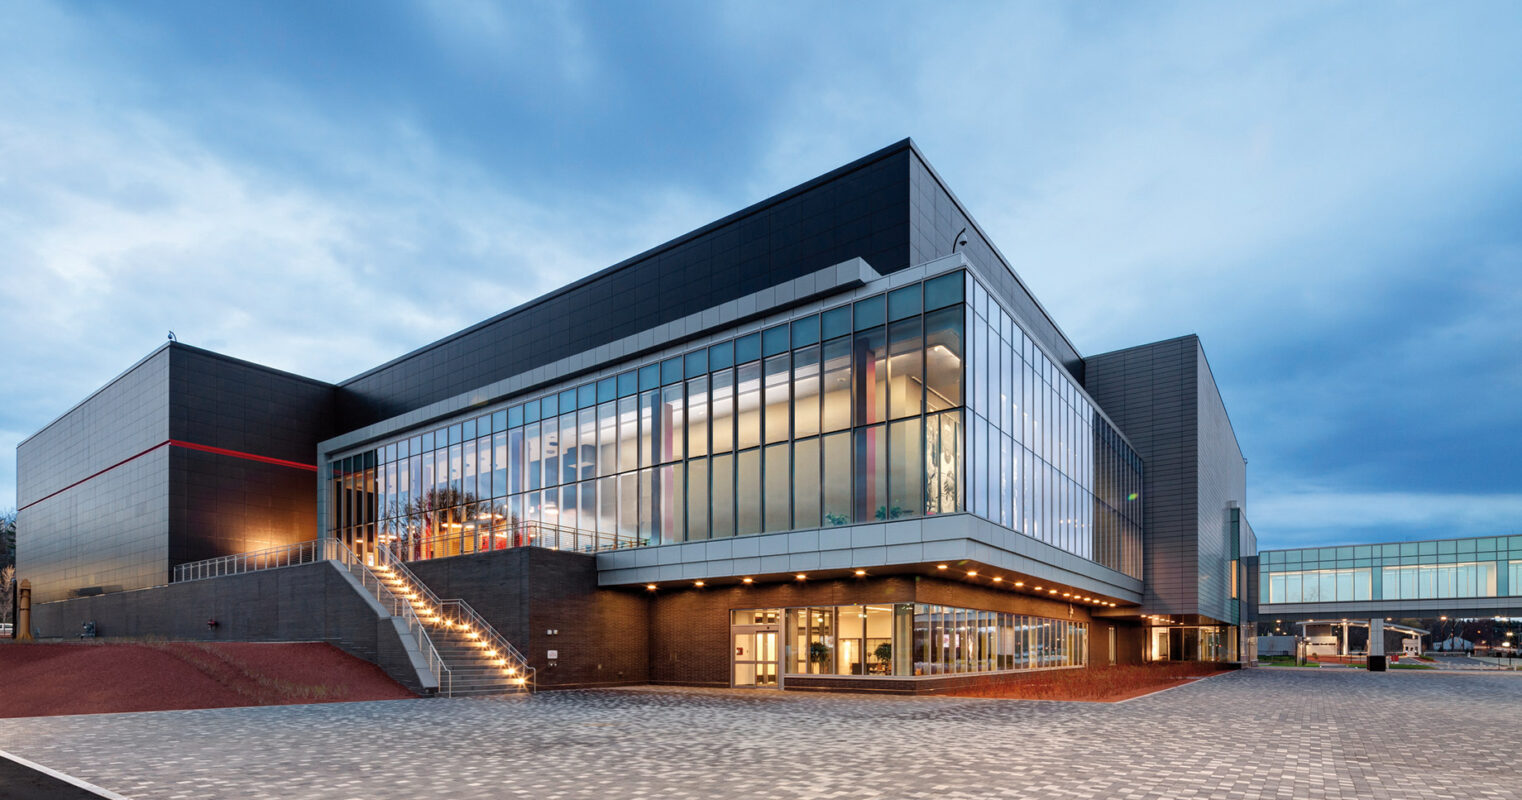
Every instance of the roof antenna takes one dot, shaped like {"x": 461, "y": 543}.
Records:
{"x": 172, "y": 337}
{"x": 959, "y": 241}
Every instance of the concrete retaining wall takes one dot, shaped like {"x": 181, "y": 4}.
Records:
{"x": 304, "y": 603}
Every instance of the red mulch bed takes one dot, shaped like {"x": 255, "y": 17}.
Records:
{"x": 1093, "y": 684}
{"x": 110, "y": 677}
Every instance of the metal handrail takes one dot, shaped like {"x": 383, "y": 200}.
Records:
{"x": 400, "y": 607}
{"x": 453, "y": 612}
{"x": 503, "y": 536}
{"x": 457, "y": 612}
{"x": 290, "y": 555}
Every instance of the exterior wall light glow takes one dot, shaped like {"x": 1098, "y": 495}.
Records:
{"x": 972, "y": 573}
{"x": 650, "y": 586}
{"x": 747, "y": 580}
{"x": 860, "y": 573}
{"x": 940, "y": 566}
{"x": 1019, "y": 583}
{"x": 697, "y": 583}
{"x": 998, "y": 579}
{"x": 800, "y": 576}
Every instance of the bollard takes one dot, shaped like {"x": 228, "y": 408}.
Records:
{"x": 24, "y": 612}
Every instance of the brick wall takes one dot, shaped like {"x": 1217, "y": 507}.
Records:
{"x": 601, "y": 635}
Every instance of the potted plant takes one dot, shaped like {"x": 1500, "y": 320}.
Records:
{"x": 884, "y": 655}
{"x": 819, "y": 653}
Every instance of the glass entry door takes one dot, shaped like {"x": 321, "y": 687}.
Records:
{"x": 754, "y": 638}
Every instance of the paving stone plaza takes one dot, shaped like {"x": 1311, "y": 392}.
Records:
{"x": 1266, "y": 733}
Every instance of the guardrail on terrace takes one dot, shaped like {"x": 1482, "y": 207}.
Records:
{"x": 285, "y": 556}
{"x": 504, "y": 536}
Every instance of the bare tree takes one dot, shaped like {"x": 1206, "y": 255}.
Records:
{"x": 8, "y": 538}
{"x": 7, "y": 578}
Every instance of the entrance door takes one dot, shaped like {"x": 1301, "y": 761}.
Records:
{"x": 754, "y": 639}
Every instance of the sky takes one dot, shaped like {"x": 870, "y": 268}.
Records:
{"x": 1329, "y": 194}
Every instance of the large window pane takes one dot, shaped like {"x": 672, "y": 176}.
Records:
{"x": 943, "y": 359}
{"x": 586, "y": 444}
{"x": 649, "y": 418}
{"x": 779, "y": 479}
{"x": 607, "y": 438}
{"x": 567, "y": 443}
{"x": 870, "y": 355}
{"x": 670, "y": 424}
{"x": 498, "y": 472}
{"x": 906, "y": 367}
{"x": 837, "y": 384}
{"x": 871, "y": 474}
{"x": 628, "y": 507}
{"x": 697, "y": 416}
{"x": 837, "y": 479}
{"x": 647, "y": 506}
{"x": 943, "y": 463}
{"x": 697, "y": 499}
{"x": 806, "y": 392}
{"x": 669, "y": 502}
{"x": 906, "y": 480}
{"x": 748, "y": 405}
{"x": 534, "y": 457}
{"x": 607, "y": 509}
{"x": 628, "y": 433}
{"x": 806, "y": 486}
{"x": 723, "y": 493}
{"x": 778, "y": 402}
{"x": 748, "y": 492}
{"x": 723, "y": 411}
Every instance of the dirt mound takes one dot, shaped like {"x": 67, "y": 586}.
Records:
{"x": 108, "y": 677}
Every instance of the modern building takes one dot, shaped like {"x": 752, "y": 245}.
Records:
{"x": 1451, "y": 593}
{"x": 828, "y": 441}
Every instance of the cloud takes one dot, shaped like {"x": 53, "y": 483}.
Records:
{"x": 1329, "y": 196}
{"x": 1316, "y": 517}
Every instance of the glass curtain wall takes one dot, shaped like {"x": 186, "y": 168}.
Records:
{"x": 851, "y": 415}
{"x": 903, "y": 639}
{"x": 1043, "y": 460}
{"x": 928, "y": 399}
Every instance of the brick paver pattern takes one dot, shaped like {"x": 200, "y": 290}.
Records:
{"x": 1267, "y": 733}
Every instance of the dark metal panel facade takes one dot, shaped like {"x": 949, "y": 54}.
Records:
{"x": 85, "y": 518}
{"x": 1164, "y": 398}
{"x": 1149, "y": 391}
{"x": 231, "y": 502}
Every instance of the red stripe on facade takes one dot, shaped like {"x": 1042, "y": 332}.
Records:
{"x": 187, "y": 445}
{"x": 206, "y": 448}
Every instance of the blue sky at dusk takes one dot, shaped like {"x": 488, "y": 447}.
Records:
{"x": 1329, "y": 194}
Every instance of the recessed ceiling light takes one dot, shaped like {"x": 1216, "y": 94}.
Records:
{"x": 998, "y": 579}
{"x": 860, "y": 572}
{"x": 650, "y": 586}
{"x": 972, "y": 573}
{"x": 1019, "y": 583}
{"x": 800, "y": 576}
{"x": 697, "y": 583}
{"x": 940, "y": 566}
{"x": 747, "y": 580}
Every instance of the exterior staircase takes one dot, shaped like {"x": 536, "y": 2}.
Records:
{"x": 477, "y": 658}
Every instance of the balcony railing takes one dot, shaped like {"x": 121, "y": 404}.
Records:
{"x": 502, "y": 536}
